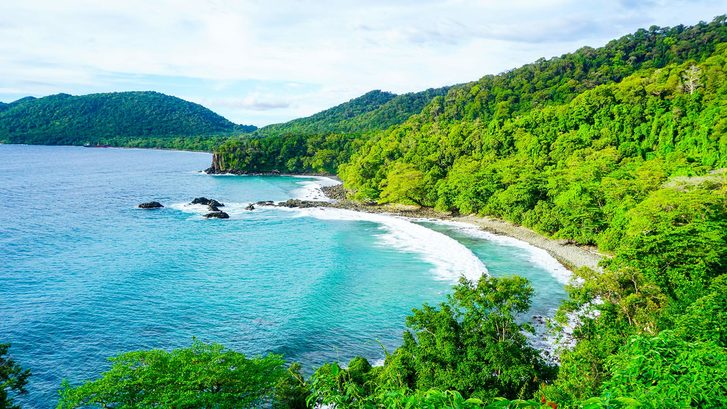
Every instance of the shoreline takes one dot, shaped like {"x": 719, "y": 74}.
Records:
{"x": 109, "y": 147}
{"x": 571, "y": 256}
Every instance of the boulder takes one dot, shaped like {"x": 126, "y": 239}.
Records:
{"x": 207, "y": 202}
{"x": 265, "y": 203}
{"x": 250, "y": 207}
{"x": 217, "y": 215}
{"x": 150, "y": 205}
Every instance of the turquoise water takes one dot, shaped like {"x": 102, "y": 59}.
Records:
{"x": 85, "y": 275}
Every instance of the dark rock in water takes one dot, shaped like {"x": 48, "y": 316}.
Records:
{"x": 302, "y": 203}
{"x": 265, "y": 203}
{"x": 213, "y": 208}
{"x": 150, "y": 205}
{"x": 217, "y": 215}
{"x": 208, "y": 202}
{"x": 250, "y": 207}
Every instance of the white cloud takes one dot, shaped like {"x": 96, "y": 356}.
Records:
{"x": 337, "y": 49}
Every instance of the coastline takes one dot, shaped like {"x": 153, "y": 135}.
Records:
{"x": 569, "y": 255}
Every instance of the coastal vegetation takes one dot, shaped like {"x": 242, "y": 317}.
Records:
{"x": 131, "y": 119}
{"x": 622, "y": 147}
{"x": 13, "y": 379}
{"x": 322, "y": 142}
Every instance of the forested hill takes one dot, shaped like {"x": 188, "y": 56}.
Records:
{"x": 497, "y": 98}
{"x": 321, "y": 142}
{"x": 119, "y": 118}
{"x": 375, "y": 110}
{"x": 623, "y": 147}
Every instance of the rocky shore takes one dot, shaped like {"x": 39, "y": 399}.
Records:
{"x": 570, "y": 255}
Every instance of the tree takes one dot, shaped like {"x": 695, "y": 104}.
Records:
{"x": 201, "y": 376}
{"x": 404, "y": 184}
{"x": 668, "y": 372}
{"x": 13, "y": 378}
{"x": 691, "y": 78}
{"x": 472, "y": 344}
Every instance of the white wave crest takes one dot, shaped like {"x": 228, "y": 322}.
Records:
{"x": 536, "y": 255}
{"x": 450, "y": 259}
{"x": 310, "y": 188}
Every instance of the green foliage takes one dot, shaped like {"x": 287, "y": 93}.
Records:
{"x": 321, "y": 142}
{"x": 291, "y": 391}
{"x": 202, "y": 376}
{"x": 375, "y": 110}
{"x": 471, "y": 344}
{"x": 565, "y": 146}
{"x": 704, "y": 320}
{"x": 404, "y": 185}
{"x": 677, "y": 237}
{"x": 667, "y": 273}
{"x": 13, "y": 378}
{"x": 668, "y": 372}
{"x": 119, "y": 119}
{"x": 293, "y": 154}
{"x": 466, "y": 352}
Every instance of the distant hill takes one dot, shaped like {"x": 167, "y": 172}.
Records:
{"x": 375, "y": 110}
{"x": 321, "y": 142}
{"x": 64, "y": 119}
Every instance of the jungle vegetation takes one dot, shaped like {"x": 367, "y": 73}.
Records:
{"x": 622, "y": 147}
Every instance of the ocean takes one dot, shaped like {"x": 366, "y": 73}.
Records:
{"x": 85, "y": 274}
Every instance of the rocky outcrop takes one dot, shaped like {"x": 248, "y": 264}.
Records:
{"x": 303, "y": 204}
{"x": 150, "y": 205}
{"x": 217, "y": 215}
{"x": 217, "y": 165}
{"x": 207, "y": 202}
{"x": 265, "y": 203}
{"x": 250, "y": 207}
{"x": 335, "y": 192}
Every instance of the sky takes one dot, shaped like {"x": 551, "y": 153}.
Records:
{"x": 261, "y": 62}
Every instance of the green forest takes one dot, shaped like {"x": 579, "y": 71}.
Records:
{"x": 133, "y": 119}
{"x": 623, "y": 147}
{"x": 321, "y": 142}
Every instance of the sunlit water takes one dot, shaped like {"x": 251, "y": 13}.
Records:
{"x": 85, "y": 275}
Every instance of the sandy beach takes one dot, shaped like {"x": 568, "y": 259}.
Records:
{"x": 570, "y": 255}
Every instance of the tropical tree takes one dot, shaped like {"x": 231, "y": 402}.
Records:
{"x": 13, "y": 379}
{"x": 201, "y": 376}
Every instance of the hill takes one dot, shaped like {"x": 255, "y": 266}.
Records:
{"x": 375, "y": 110}
{"x": 321, "y": 142}
{"x": 623, "y": 147}
{"x": 118, "y": 118}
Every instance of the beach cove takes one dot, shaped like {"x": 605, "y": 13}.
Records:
{"x": 87, "y": 275}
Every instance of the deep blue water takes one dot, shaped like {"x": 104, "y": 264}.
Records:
{"x": 85, "y": 275}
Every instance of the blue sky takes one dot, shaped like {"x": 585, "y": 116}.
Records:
{"x": 261, "y": 62}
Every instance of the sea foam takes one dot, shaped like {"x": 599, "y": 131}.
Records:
{"x": 536, "y": 255}
{"x": 310, "y": 188}
{"x": 449, "y": 258}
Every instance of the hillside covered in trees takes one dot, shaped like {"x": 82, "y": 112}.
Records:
{"x": 623, "y": 147}
{"x": 321, "y": 142}
{"x": 142, "y": 119}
